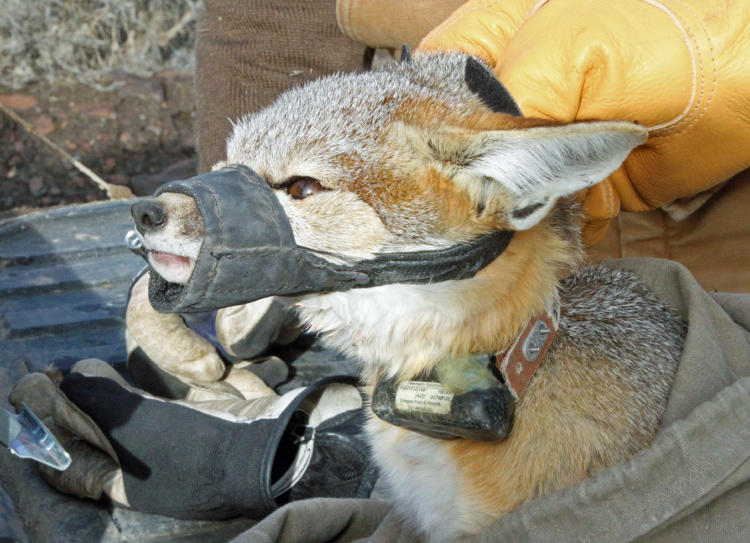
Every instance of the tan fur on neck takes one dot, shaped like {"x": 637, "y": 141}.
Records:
{"x": 550, "y": 419}
{"x": 487, "y": 311}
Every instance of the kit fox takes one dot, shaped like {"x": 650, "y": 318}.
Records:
{"x": 429, "y": 154}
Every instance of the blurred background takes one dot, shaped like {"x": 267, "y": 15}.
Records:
{"x": 108, "y": 81}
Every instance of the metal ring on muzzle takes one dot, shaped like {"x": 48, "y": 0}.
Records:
{"x": 249, "y": 251}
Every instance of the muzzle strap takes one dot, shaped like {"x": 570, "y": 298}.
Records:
{"x": 249, "y": 252}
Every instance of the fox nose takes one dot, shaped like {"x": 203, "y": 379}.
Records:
{"x": 148, "y": 215}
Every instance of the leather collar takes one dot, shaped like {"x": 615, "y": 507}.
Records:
{"x": 519, "y": 362}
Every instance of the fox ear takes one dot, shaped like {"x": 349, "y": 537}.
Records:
{"x": 405, "y": 54}
{"x": 536, "y": 166}
{"x": 493, "y": 94}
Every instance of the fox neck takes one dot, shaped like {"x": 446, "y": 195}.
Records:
{"x": 402, "y": 330}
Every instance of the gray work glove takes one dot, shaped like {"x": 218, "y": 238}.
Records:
{"x": 167, "y": 357}
{"x": 208, "y": 459}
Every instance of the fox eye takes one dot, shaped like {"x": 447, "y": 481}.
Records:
{"x": 302, "y": 187}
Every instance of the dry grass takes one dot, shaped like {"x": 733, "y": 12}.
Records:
{"x": 92, "y": 40}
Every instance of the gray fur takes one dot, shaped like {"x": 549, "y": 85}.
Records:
{"x": 608, "y": 314}
{"x": 349, "y": 110}
{"x": 340, "y": 132}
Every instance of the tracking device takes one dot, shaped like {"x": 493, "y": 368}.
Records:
{"x": 460, "y": 398}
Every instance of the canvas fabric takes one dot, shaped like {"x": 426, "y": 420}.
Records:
{"x": 247, "y": 52}
{"x": 713, "y": 241}
{"x": 692, "y": 484}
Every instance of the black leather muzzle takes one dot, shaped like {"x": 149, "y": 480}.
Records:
{"x": 249, "y": 252}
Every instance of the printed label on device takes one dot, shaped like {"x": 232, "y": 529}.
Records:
{"x": 425, "y": 397}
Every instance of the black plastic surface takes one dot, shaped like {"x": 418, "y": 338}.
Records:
{"x": 483, "y": 414}
{"x": 64, "y": 278}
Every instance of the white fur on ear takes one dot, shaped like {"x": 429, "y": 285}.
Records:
{"x": 541, "y": 164}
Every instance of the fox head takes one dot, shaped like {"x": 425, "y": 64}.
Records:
{"x": 420, "y": 155}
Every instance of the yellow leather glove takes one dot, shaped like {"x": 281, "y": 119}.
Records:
{"x": 679, "y": 67}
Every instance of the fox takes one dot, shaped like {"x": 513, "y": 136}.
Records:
{"x": 432, "y": 153}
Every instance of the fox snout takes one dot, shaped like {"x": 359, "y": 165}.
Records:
{"x": 148, "y": 215}
{"x": 172, "y": 230}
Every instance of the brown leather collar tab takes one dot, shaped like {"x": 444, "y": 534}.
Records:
{"x": 519, "y": 363}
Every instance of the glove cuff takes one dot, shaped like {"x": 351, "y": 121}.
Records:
{"x": 391, "y": 23}
{"x": 265, "y": 454}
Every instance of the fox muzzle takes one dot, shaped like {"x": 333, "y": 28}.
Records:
{"x": 249, "y": 252}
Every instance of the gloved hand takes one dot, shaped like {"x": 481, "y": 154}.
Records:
{"x": 678, "y": 67}
{"x": 170, "y": 359}
{"x": 200, "y": 460}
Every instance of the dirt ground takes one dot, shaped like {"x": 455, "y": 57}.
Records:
{"x": 139, "y": 135}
